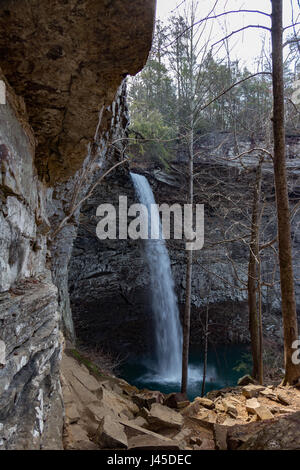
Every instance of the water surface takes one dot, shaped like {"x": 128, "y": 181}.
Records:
{"x": 221, "y": 372}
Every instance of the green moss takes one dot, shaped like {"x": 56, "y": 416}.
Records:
{"x": 93, "y": 369}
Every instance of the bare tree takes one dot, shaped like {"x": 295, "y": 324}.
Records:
{"x": 254, "y": 262}
{"x": 289, "y": 314}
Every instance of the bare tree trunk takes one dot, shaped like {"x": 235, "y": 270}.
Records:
{"x": 205, "y": 352}
{"x": 290, "y": 326}
{"x": 252, "y": 275}
{"x": 189, "y": 269}
{"x": 260, "y": 327}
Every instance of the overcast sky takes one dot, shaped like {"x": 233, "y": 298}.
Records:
{"x": 246, "y": 45}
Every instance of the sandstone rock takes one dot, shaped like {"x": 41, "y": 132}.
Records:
{"x": 246, "y": 380}
{"x": 230, "y": 408}
{"x": 219, "y": 407}
{"x": 78, "y": 434}
{"x": 84, "y": 395}
{"x": 283, "y": 399}
{"x": 220, "y": 437}
{"x": 146, "y": 399}
{"x": 193, "y": 408}
{"x": 140, "y": 421}
{"x": 263, "y": 413}
{"x": 58, "y": 88}
{"x": 282, "y": 434}
{"x": 207, "y": 418}
{"x": 85, "y": 378}
{"x": 146, "y": 442}
{"x": 183, "y": 437}
{"x": 144, "y": 413}
{"x": 207, "y": 444}
{"x": 67, "y": 395}
{"x": 267, "y": 393}
{"x": 206, "y": 402}
{"x": 176, "y": 400}
{"x": 45, "y": 87}
{"x": 118, "y": 403}
{"x": 239, "y": 434}
{"x": 72, "y": 413}
{"x": 161, "y": 417}
{"x": 196, "y": 441}
{"x": 86, "y": 445}
{"x": 250, "y": 391}
{"x": 126, "y": 414}
{"x": 251, "y": 405}
{"x": 150, "y": 438}
{"x": 97, "y": 411}
{"x": 111, "y": 435}
{"x": 229, "y": 422}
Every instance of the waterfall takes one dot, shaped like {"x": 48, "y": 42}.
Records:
{"x": 168, "y": 332}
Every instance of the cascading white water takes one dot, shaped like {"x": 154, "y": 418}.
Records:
{"x": 168, "y": 332}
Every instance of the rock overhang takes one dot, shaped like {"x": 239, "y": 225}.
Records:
{"x": 67, "y": 58}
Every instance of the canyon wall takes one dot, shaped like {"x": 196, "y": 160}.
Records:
{"x": 109, "y": 279}
{"x": 62, "y": 127}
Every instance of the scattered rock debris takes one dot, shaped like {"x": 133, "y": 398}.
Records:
{"x": 105, "y": 412}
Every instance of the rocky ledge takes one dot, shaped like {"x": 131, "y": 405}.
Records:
{"x": 104, "y": 412}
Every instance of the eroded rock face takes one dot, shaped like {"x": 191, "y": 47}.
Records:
{"x": 109, "y": 281}
{"x": 67, "y": 59}
{"x": 31, "y": 410}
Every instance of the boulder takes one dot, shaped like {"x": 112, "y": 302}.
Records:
{"x": 140, "y": 438}
{"x": 220, "y": 437}
{"x": 85, "y": 378}
{"x": 117, "y": 403}
{"x": 132, "y": 430}
{"x": 183, "y": 437}
{"x": 206, "y": 402}
{"x": 229, "y": 422}
{"x": 237, "y": 435}
{"x": 207, "y": 444}
{"x": 176, "y": 400}
{"x": 251, "y": 405}
{"x": 144, "y": 413}
{"x": 140, "y": 421}
{"x": 97, "y": 411}
{"x": 245, "y": 380}
{"x": 283, "y": 399}
{"x": 206, "y": 418}
{"x": 146, "y": 442}
{"x": 263, "y": 413}
{"x": 111, "y": 435}
{"x": 145, "y": 399}
{"x": 250, "y": 391}
{"x": 161, "y": 417}
{"x": 267, "y": 393}
{"x": 282, "y": 434}
{"x": 84, "y": 395}
{"x": 196, "y": 441}
{"x": 230, "y": 408}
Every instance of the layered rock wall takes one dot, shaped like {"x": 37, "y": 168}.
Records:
{"x": 115, "y": 275}
{"x": 62, "y": 127}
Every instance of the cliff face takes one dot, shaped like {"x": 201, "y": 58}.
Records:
{"x": 61, "y": 127}
{"x": 67, "y": 59}
{"x": 111, "y": 278}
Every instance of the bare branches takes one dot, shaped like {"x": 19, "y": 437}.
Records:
{"x": 291, "y": 41}
{"x": 230, "y": 88}
{"x": 219, "y": 16}
{"x": 249, "y": 26}
{"x": 76, "y": 206}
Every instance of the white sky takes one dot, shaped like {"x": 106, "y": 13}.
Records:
{"x": 246, "y": 45}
